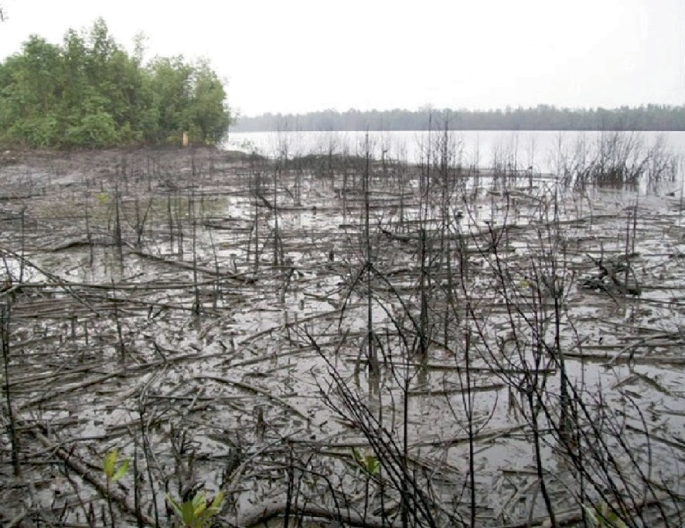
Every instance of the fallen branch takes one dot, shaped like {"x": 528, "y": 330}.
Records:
{"x": 253, "y": 389}
{"x": 87, "y": 474}
{"x": 266, "y": 512}
{"x": 201, "y": 269}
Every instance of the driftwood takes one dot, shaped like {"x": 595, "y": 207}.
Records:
{"x": 53, "y": 375}
{"x": 263, "y": 513}
{"x": 202, "y": 269}
{"x": 255, "y": 390}
{"x": 81, "y": 241}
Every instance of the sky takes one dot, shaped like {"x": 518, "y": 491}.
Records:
{"x": 294, "y": 56}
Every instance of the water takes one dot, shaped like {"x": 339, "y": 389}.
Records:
{"x": 544, "y": 151}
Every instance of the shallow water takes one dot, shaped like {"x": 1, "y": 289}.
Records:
{"x": 212, "y": 353}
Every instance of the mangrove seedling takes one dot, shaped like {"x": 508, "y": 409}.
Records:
{"x": 113, "y": 473}
{"x": 196, "y": 512}
{"x": 369, "y": 463}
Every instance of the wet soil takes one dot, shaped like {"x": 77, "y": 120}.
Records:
{"x": 233, "y": 323}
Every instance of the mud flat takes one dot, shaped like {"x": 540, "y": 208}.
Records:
{"x": 336, "y": 339}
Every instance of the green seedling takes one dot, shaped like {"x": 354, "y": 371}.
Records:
{"x": 368, "y": 463}
{"x": 109, "y": 466}
{"x": 113, "y": 472}
{"x": 196, "y": 512}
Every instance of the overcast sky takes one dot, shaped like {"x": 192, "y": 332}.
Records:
{"x": 304, "y": 55}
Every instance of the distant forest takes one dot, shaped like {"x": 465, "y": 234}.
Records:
{"x": 542, "y": 117}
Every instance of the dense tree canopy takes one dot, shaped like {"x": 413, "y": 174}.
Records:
{"x": 90, "y": 92}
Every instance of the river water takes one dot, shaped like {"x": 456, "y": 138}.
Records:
{"x": 544, "y": 151}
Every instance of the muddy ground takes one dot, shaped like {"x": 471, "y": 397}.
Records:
{"x": 508, "y": 350}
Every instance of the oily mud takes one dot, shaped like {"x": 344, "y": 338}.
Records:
{"x": 336, "y": 339}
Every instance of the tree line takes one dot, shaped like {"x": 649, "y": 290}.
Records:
{"x": 90, "y": 92}
{"x": 542, "y": 117}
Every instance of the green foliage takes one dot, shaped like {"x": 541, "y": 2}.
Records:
{"x": 94, "y": 130}
{"x": 369, "y": 463}
{"x": 193, "y": 513}
{"x": 196, "y": 512}
{"x": 110, "y": 468}
{"x": 207, "y": 95}
{"x": 89, "y": 92}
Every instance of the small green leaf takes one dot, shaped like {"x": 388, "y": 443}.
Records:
{"x": 216, "y": 502}
{"x": 175, "y": 505}
{"x": 188, "y": 516}
{"x": 368, "y": 463}
{"x": 121, "y": 471}
{"x": 109, "y": 463}
{"x": 199, "y": 504}
{"x": 372, "y": 465}
{"x": 213, "y": 508}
